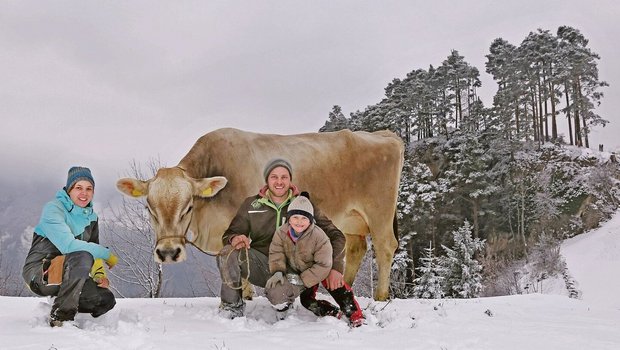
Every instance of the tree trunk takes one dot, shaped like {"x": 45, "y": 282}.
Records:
{"x": 535, "y": 127}
{"x": 576, "y": 120}
{"x": 517, "y": 118}
{"x": 570, "y": 125}
{"x": 554, "y": 125}
{"x": 475, "y": 210}
{"x": 545, "y": 105}
{"x": 522, "y": 224}
{"x": 160, "y": 280}
{"x": 541, "y": 116}
{"x": 584, "y": 116}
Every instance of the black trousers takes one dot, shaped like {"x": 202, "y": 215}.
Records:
{"x": 78, "y": 292}
{"x": 343, "y": 296}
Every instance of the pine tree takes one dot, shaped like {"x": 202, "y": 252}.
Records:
{"x": 471, "y": 172}
{"x": 402, "y": 270}
{"x": 462, "y": 273}
{"x": 335, "y": 121}
{"x": 420, "y": 205}
{"x": 428, "y": 285}
{"x": 579, "y": 70}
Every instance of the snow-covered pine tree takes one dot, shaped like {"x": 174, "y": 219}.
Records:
{"x": 428, "y": 285}
{"x": 335, "y": 121}
{"x": 402, "y": 274}
{"x": 420, "y": 196}
{"x": 462, "y": 273}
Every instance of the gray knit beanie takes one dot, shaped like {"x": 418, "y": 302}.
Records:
{"x": 76, "y": 174}
{"x": 301, "y": 206}
{"x": 274, "y": 163}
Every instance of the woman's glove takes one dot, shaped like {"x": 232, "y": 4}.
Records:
{"x": 275, "y": 279}
{"x": 97, "y": 272}
{"x": 112, "y": 260}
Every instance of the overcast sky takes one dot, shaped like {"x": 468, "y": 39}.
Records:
{"x": 101, "y": 83}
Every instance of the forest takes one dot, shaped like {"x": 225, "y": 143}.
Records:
{"x": 487, "y": 192}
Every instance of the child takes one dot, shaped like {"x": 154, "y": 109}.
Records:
{"x": 300, "y": 257}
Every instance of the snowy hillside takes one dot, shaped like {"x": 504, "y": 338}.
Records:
{"x": 593, "y": 260}
{"x": 533, "y": 321}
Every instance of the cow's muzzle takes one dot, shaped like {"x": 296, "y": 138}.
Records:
{"x": 170, "y": 250}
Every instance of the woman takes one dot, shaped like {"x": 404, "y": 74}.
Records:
{"x": 66, "y": 241}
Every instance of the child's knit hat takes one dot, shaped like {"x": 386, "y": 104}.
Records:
{"x": 301, "y": 206}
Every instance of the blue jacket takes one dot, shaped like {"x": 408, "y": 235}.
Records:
{"x": 71, "y": 228}
{"x": 63, "y": 228}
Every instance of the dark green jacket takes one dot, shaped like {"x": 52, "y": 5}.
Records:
{"x": 259, "y": 218}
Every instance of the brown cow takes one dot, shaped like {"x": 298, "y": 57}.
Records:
{"x": 352, "y": 176}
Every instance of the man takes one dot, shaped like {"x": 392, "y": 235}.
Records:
{"x": 253, "y": 228}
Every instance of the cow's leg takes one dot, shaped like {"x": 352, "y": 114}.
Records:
{"x": 355, "y": 249}
{"x": 385, "y": 246}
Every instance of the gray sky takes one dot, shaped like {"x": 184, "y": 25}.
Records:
{"x": 101, "y": 83}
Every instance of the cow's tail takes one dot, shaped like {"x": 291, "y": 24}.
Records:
{"x": 395, "y": 226}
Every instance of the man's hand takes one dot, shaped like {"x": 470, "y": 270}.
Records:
{"x": 102, "y": 282}
{"x": 334, "y": 280}
{"x": 240, "y": 241}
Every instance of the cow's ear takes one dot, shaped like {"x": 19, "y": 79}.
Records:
{"x": 209, "y": 186}
{"x": 132, "y": 187}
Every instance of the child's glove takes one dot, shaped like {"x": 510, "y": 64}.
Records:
{"x": 112, "y": 260}
{"x": 275, "y": 279}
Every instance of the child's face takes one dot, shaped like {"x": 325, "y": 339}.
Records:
{"x": 299, "y": 223}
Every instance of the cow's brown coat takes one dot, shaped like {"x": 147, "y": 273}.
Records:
{"x": 352, "y": 176}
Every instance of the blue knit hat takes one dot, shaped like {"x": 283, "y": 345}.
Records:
{"x": 76, "y": 174}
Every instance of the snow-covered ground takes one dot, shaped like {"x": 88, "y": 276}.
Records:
{"x": 593, "y": 260}
{"x": 533, "y": 321}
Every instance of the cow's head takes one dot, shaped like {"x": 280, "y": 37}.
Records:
{"x": 170, "y": 201}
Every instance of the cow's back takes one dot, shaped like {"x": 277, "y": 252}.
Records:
{"x": 349, "y": 175}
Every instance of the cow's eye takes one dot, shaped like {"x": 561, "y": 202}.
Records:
{"x": 151, "y": 212}
{"x": 189, "y": 210}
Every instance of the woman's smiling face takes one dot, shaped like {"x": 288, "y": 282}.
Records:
{"x": 82, "y": 193}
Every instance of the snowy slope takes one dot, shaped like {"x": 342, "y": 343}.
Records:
{"x": 593, "y": 259}
{"x": 533, "y": 321}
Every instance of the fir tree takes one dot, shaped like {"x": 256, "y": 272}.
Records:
{"x": 428, "y": 285}
{"x": 402, "y": 270}
{"x": 462, "y": 273}
{"x": 335, "y": 121}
